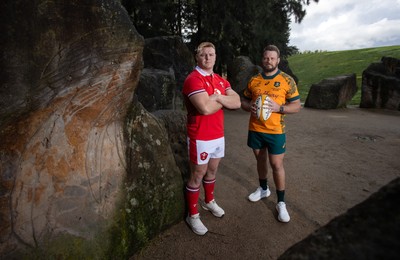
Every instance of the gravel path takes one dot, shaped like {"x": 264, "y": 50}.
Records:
{"x": 335, "y": 159}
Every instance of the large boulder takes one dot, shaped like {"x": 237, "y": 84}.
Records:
{"x": 153, "y": 193}
{"x": 240, "y": 72}
{"x": 381, "y": 85}
{"x": 167, "y": 62}
{"x": 84, "y": 168}
{"x": 331, "y": 93}
{"x": 175, "y": 123}
{"x": 370, "y": 230}
{"x": 169, "y": 53}
{"x": 241, "y": 69}
{"x": 157, "y": 90}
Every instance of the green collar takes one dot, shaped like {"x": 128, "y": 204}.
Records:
{"x": 270, "y": 77}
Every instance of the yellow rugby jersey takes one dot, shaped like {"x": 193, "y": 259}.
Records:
{"x": 279, "y": 87}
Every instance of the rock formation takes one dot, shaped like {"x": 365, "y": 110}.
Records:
{"x": 84, "y": 168}
{"x": 157, "y": 90}
{"x": 241, "y": 69}
{"x": 169, "y": 53}
{"x": 369, "y": 230}
{"x": 381, "y": 85}
{"x": 332, "y": 93}
{"x": 175, "y": 124}
{"x": 167, "y": 62}
{"x": 153, "y": 192}
{"x": 240, "y": 72}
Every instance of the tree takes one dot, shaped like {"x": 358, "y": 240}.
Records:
{"x": 155, "y": 18}
{"x": 236, "y": 27}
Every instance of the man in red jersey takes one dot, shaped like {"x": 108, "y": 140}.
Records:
{"x": 267, "y": 138}
{"x": 206, "y": 94}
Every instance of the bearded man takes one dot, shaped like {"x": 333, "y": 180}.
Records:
{"x": 266, "y": 136}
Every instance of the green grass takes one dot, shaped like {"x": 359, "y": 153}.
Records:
{"x": 311, "y": 68}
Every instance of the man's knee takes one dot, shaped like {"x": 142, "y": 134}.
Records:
{"x": 276, "y": 165}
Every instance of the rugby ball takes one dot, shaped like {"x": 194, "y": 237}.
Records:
{"x": 263, "y": 113}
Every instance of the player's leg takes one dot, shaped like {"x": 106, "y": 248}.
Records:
{"x": 197, "y": 173}
{"x": 262, "y": 191}
{"x": 278, "y": 171}
{"x": 217, "y": 152}
{"x": 277, "y": 149}
{"x": 210, "y": 178}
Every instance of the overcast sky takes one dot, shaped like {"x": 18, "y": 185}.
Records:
{"x": 347, "y": 24}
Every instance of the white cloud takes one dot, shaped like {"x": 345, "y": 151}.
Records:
{"x": 348, "y": 24}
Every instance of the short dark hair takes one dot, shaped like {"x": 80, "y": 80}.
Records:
{"x": 272, "y": 48}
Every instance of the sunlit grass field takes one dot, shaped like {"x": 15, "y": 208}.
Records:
{"x": 311, "y": 68}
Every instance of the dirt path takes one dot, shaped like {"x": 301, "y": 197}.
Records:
{"x": 335, "y": 159}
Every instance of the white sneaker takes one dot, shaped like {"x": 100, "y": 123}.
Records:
{"x": 259, "y": 194}
{"x": 196, "y": 225}
{"x": 283, "y": 215}
{"x": 213, "y": 207}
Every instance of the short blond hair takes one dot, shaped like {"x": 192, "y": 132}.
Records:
{"x": 204, "y": 45}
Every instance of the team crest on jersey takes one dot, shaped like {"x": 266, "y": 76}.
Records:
{"x": 203, "y": 156}
{"x": 217, "y": 91}
{"x": 277, "y": 84}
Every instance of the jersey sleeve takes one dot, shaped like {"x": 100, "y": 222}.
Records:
{"x": 227, "y": 84}
{"x": 192, "y": 85}
{"x": 292, "y": 93}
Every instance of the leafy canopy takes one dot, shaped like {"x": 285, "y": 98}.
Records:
{"x": 236, "y": 27}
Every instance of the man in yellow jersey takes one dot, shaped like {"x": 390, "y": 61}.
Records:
{"x": 267, "y": 137}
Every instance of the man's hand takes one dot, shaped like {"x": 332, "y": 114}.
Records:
{"x": 214, "y": 97}
{"x": 271, "y": 104}
{"x": 230, "y": 101}
{"x": 253, "y": 108}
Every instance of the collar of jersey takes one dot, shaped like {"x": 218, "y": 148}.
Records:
{"x": 202, "y": 72}
{"x": 269, "y": 77}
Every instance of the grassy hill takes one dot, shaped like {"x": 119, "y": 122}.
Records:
{"x": 311, "y": 68}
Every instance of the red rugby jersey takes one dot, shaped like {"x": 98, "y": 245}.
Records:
{"x": 204, "y": 127}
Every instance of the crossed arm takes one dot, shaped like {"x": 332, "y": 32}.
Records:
{"x": 207, "y": 105}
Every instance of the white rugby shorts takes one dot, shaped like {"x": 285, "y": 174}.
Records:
{"x": 200, "y": 152}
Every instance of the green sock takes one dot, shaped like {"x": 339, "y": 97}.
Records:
{"x": 281, "y": 195}
{"x": 263, "y": 184}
